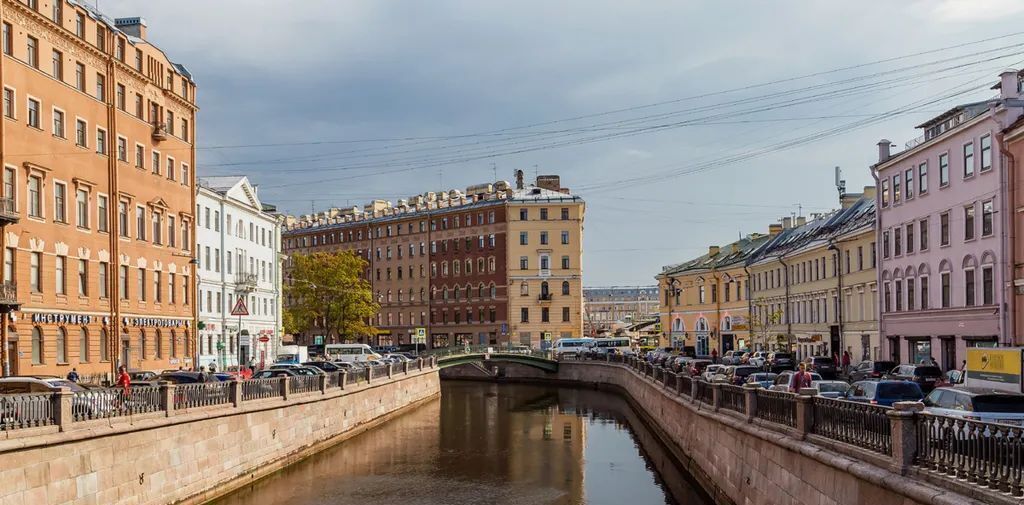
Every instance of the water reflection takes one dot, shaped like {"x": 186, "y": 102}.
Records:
{"x": 484, "y": 443}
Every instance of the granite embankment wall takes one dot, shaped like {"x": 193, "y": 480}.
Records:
{"x": 194, "y": 455}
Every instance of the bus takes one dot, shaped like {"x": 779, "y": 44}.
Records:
{"x": 601, "y": 346}
{"x": 350, "y": 353}
{"x": 574, "y": 347}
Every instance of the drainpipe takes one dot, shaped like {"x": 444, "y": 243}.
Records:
{"x": 750, "y": 306}
{"x": 839, "y": 295}
{"x": 789, "y": 318}
{"x": 718, "y": 309}
{"x": 1007, "y": 198}
{"x": 878, "y": 275}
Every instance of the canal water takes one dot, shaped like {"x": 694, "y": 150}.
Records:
{"x": 484, "y": 443}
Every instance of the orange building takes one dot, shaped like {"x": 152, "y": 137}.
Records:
{"x": 98, "y": 190}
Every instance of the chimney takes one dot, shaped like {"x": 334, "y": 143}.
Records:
{"x": 549, "y": 182}
{"x": 848, "y": 200}
{"x": 713, "y": 250}
{"x": 1008, "y": 85}
{"x": 519, "y": 179}
{"x": 135, "y": 26}
{"x": 774, "y": 229}
{"x": 869, "y": 192}
{"x": 883, "y": 150}
{"x": 801, "y": 220}
{"x": 787, "y": 223}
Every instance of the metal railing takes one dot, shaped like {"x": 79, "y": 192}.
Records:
{"x": 334, "y": 379}
{"x": 115, "y": 402}
{"x": 8, "y": 209}
{"x": 304, "y": 384}
{"x": 358, "y": 375}
{"x": 205, "y": 394}
{"x": 705, "y": 393}
{"x": 732, "y": 398}
{"x": 776, "y": 407}
{"x": 685, "y": 388}
{"x": 26, "y": 410}
{"x": 258, "y": 389}
{"x": 989, "y": 455}
{"x": 856, "y": 423}
{"x": 9, "y": 292}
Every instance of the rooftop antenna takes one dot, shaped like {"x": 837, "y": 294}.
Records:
{"x": 840, "y": 183}
{"x": 494, "y": 170}
{"x": 536, "y": 173}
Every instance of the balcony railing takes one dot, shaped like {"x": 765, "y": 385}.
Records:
{"x": 8, "y": 293}
{"x": 246, "y": 281}
{"x": 544, "y": 297}
{"x": 8, "y": 211}
{"x": 159, "y": 132}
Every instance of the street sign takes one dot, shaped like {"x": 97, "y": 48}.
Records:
{"x": 421, "y": 333}
{"x": 240, "y": 309}
{"x": 547, "y": 336}
{"x": 318, "y": 340}
{"x": 504, "y": 328}
{"x": 264, "y": 339}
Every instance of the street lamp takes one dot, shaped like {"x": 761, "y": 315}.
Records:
{"x": 839, "y": 296}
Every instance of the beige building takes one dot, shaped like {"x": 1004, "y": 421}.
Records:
{"x": 545, "y": 262}
{"x": 814, "y": 284}
{"x": 98, "y": 164}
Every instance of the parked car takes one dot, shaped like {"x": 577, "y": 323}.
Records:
{"x": 712, "y": 370}
{"x": 519, "y": 349}
{"x": 926, "y": 376}
{"x": 698, "y": 366}
{"x": 271, "y": 373}
{"x": 142, "y": 376}
{"x": 951, "y": 378}
{"x": 976, "y": 404}
{"x": 779, "y": 361}
{"x": 96, "y": 406}
{"x": 739, "y": 373}
{"x": 784, "y": 381}
{"x": 884, "y": 392}
{"x": 732, "y": 357}
{"x": 763, "y": 379}
{"x": 307, "y": 370}
{"x": 869, "y": 369}
{"x": 326, "y": 366}
{"x": 824, "y": 365}
{"x": 185, "y": 377}
{"x": 831, "y": 388}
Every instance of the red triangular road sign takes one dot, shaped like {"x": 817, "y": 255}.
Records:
{"x": 240, "y": 309}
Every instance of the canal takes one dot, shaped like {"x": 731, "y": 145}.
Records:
{"x": 484, "y": 443}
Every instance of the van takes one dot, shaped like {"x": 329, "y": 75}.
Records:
{"x": 571, "y": 347}
{"x": 359, "y": 353}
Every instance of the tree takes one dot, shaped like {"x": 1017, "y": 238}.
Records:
{"x": 761, "y": 325}
{"x": 327, "y": 293}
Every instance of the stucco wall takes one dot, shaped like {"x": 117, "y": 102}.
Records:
{"x": 194, "y": 456}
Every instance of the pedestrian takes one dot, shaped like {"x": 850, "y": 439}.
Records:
{"x": 714, "y": 356}
{"x": 801, "y": 379}
{"x": 963, "y": 366}
{"x": 213, "y": 367}
{"x": 846, "y": 363}
{"x": 252, "y": 364}
{"x": 123, "y": 379}
{"x": 934, "y": 363}
{"x": 73, "y": 375}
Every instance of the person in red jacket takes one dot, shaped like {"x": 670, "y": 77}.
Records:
{"x": 123, "y": 380}
{"x": 801, "y": 379}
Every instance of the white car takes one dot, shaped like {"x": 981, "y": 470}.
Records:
{"x": 711, "y": 371}
{"x": 976, "y": 404}
{"x": 831, "y": 389}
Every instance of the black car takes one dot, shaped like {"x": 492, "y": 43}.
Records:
{"x": 274, "y": 372}
{"x": 326, "y": 366}
{"x": 740, "y": 373}
{"x": 185, "y": 377}
{"x": 779, "y": 361}
{"x": 869, "y": 369}
{"x": 824, "y": 365}
{"x": 926, "y": 376}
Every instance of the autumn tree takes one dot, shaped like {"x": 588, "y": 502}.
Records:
{"x": 327, "y": 294}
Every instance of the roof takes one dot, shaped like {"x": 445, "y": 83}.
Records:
{"x": 828, "y": 227}
{"x": 221, "y": 183}
{"x": 973, "y": 109}
{"x": 534, "y": 193}
{"x": 732, "y": 254}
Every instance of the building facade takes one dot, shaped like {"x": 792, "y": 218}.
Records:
{"x": 1013, "y": 157}
{"x": 439, "y": 263}
{"x": 942, "y": 206}
{"x": 238, "y": 254}
{"x": 97, "y": 153}
{"x": 705, "y": 301}
{"x": 611, "y": 308}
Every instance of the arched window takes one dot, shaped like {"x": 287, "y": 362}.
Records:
{"x": 188, "y": 344}
{"x": 62, "y": 345}
{"x": 524, "y": 289}
{"x": 37, "y": 346}
{"x": 104, "y": 346}
{"x": 726, "y": 323}
{"x": 702, "y": 324}
{"x": 389, "y": 296}
{"x": 677, "y": 324}
{"x": 544, "y": 289}
{"x": 480, "y": 290}
{"x": 83, "y": 345}
{"x": 444, "y": 293}
{"x": 494, "y": 291}
{"x": 457, "y": 292}
{"x": 565, "y": 287}
{"x": 159, "y": 345}
{"x": 174, "y": 344}
{"x": 142, "y": 344}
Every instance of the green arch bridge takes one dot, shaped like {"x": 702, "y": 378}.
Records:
{"x": 548, "y": 365}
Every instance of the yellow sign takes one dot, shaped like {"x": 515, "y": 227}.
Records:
{"x": 999, "y": 365}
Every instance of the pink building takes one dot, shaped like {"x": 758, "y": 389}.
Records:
{"x": 942, "y": 204}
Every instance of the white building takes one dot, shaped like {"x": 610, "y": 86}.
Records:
{"x": 239, "y": 244}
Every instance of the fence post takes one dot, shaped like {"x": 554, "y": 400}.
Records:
{"x": 323, "y": 383}
{"x": 665, "y": 373}
{"x": 716, "y": 395}
{"x": 62, "y": 405}
{"x": 285, "y": 386}
{"x": 679, "y": 383}
{"x": 390, "y": 369}
{"x": 369, "y": 374}
{"x": 903, "y": 424}
{"x": 750, "y": 395}
{"x": 344, "y": 379}
{"x": 167, "y": 397}
{"x": 805, "y": 411}
{"x": 693, "y": 390}
{"x": 235, "y": 393}
{"x": 405, "y": 367}
{"x": 419, "y": 363}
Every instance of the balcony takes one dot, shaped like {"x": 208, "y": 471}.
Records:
{"x": 245, "y": 281}
{"x": 544, "y": 297}
{"x": 8, "y": 213}
{"x": 159, "y": 132}
{"x": 9, "y": 296}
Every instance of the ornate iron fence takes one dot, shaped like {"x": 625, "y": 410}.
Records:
{"x": 860, "y": 424}
{"x": 733, "y": 398}
{"x": 776, "y": 407}
{"x": 188, "y": 396}
{"x": 115, "y": 402}
{"x": 334, "y": 379}
{"x": 985, "y": 454}
{"x": 685, "y": 388}
{"x": 705, "y": 394}
{"x": 26, "y": 411}
{"x": 258, "y": 389}
{"x": 304, "y": 384}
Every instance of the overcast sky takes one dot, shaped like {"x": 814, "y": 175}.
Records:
{"x": 333, "y": 79}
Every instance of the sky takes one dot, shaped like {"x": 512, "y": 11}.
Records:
{"x": 683, "y": 124}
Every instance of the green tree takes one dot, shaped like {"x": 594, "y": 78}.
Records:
{"x": 328, "y": 295}
{"x": 760, "y": 327}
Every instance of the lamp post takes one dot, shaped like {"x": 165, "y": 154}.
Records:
{"x": 839, "y": 296}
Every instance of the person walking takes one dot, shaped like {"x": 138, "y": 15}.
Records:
{"x": 801, "y": 379}
{"x": 73, "y": 375}
{"x": 252, "y": 364}
{"x": 714, "y": 356}
{"x": 846, "y": 363}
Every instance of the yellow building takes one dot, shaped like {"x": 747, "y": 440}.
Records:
{"x": 545, "y": 262}
{"x": 704, "y": 304}
{"x": 814, "y": 284}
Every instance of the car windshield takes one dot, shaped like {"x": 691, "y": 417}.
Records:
{"x": 927, "y": 371}
{"x": 781, "y": 355}
{"x": 61, "y": 383}
{"x": 899, "y": 390}
{"x": 884, "y": 366}
{"x": 1011, "y": 404}
{"x": 833, "y": 387}
{"x": 744, "y": 371}
{"x": 822, "y": 361}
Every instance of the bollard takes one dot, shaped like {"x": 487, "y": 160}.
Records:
{"x": 323, "y": 383}
{"x": 693, "y": 390}
{"x": 716, "y": 395}
{"x": 390, "y": 369}
{"x": 62, "y": 405}
{"x": 903, "y": 424}
{"x": 369, "y": 374}
{"x": 679, "y": 383}
{"x": 805, "y": 411}
{"x": 750, "y": 396}
{"x": 235, "y": 393}
{"x": 167, "y": 397}
{"x": 284, "y": 388}
{"x": 343, "y": 380}
{"x": 405, "y": 367}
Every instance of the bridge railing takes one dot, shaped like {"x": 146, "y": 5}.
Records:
{"x": 948, "y": 450}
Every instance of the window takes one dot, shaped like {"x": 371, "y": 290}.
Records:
{"x": 969, "y": 222}
{"x": 543, "y": 214}
{"x": 33, "y": 113}
{"x": 60, "y": 202}
{"x": 910, "y": 238}
{"x": 885, "y": 244}
{"x": 140, "y": 222}
{"x": 9, "y": 103}
{"x": 122, "y": 282}
{"x": 565, "y": 237}
{"x": 37, "y": 346}
{"x": 58, "y": 123}
{"x": 543, "y": 238}
{"x": 8, "y": 41}
{"x": 32, "y": 52}
{"x": 104, "y": 283}
{"x": 80, "y": 133}
{"x": 968, "y": 159}
{"x": 62, "y": 345}
{"x": 946, "y": 289}
{"x": 896, "y": 188}
{"x": 138, "y": 105}
{"x": 523, "y": 238}
{"x": 158, "y": 226}
{"x": 35, "y": 207}
{"x": 101, "y": 39}
{"x": 156, "y": 164}
{"x": 82, "y": 208}
{"x": 158, "y": 288}
{"x": 171, "y": 234}
{"x": 565, "y": 262}
{"x": 101, "y": 87}
{"x": 924, "y": 293}
{"x": 565, "y": 314}
{"x": 119, "y": 49}
{"x": 140, "y": 284}
{"x": 987, "y": 292}
{"x": 944, "y": 228}
{"x": 911, "y": 293}
{"x": 34, "y": 272}
{"x": 545, "y": 315}
{"x": 60, "y": 275}
{"x": 923, "y": 232}
{"x": 122, "y": 149}
{"x": 524, "y": 315}
{"x": 524, "y": 263}
{"x": 122, "y": 219}
{"x": 986, "y": 218}
{"x": 170, "y": 168}
{"x": 943, "y": 170}
{"x": 899, "y": 295}
{"x": 80, "y": 24}
{"x": 897, "y": 243}
{"x": 140, "y": 156}
{"x": 986, "y": 153}
{"x": 138, "y": 63}
{"x": 119, "y": 97}
{"x": 170, "y": 288}
{"x": 565, "y": 213}
{"x": 83, "y": 277}
{"x": 83, "y": 345}
{"x": 10, "y": 176}
{"x": 184, "y": 130}
{"x": 57, "y": 61}
{"x": 922, "y": 178}
{"x": 104, "y": 351}
{"x": 969, "y": 287}
{"x": 101, "y": 141}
